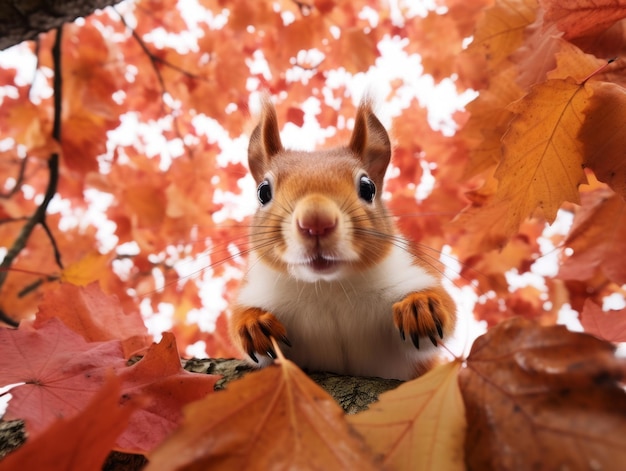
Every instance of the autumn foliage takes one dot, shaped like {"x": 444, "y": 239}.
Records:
{"x": 154, "y": 108}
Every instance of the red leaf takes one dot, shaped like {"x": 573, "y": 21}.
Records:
{"x": 160, "y": 377}
{"x": 295, "y": 115}
{"x": 60, "y": 370}
{"x": 578, "y": 18}
{"x": 96, "y": 316}
{"x": 597, "y": 238}
{"x": 609, "y": 325}
{"x": 82, "y": 442}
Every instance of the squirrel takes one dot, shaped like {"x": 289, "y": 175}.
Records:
{"x": 328, "y": 274}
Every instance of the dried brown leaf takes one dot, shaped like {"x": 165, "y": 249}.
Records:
{"x": 543, "y": 398}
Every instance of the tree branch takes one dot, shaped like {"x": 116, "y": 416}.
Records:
{"x": 39, "y": 217}
{"x": 23, "y": 20}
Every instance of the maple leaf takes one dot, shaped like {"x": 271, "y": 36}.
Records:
{"x": 295, "y": 116}
{"x": 578, "y": 18}
{"x": 86, "y": 270}
{"x": 96, "y": 316}
{"x": 356, "y": 49}
{"x": 147, "y": 201}
{"x": 419, "y": 425}
{"x": 243, "y": 14}
{"x": 25, "y": 117}
{"x": 571, "y": 61}
{"x": 87, "y": 438}
{"x": 490, "y": 268}
{"x": 59, "y": 370}
{"x": 541, "y": 165}
{"x": 543, "y": 398}
{"x": 610, "y": 325}
{"x": 160, "y": 378}
{"x": 500, "y": 31}
{"x": 542, "y": 161}
{"x": 597, "y": 238}
{"x": 603, "y": 134}
{"x": 489, "y": 118}
{"x": 276, "y": 417}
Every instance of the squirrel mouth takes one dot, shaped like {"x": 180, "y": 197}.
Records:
{"x": 319, "y": 263}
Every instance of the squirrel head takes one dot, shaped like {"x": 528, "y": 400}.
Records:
{"x": 323, "y": 209}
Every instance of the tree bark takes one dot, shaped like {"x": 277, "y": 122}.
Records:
{"x": 22, "y": 20}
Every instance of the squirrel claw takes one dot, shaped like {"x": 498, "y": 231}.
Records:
{"x": 439, "y": 329}
{"x": 423, "y": 314}
{"x": 253, "y": 357}
{"x": 253, "y": 329}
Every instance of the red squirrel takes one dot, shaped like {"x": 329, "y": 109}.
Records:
{"x": 329, "y": 275}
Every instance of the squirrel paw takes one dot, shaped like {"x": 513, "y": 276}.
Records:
{"x": 423, "y": 314}
{"x": 253, "y": 327}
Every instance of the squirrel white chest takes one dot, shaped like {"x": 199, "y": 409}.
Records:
{"x": 345, "y": 325}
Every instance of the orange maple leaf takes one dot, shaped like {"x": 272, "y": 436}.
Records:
{"x": 501, "y": 29}
{"x": 541, "y": 165}
{"x": 276, "y": 417}
{"x": 542, "y": 160}
{"x": 420, "y": 425}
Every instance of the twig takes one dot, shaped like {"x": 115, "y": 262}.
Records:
{"x": 55, "y": 247}
{"x": 154, "y": 58}
{"x": 10, "y": 220}
{"x": 36, "y": 284}
{"x": 155, "y": 61}
{"x": 18, "y": 181}
{"x": 39, "y": 217}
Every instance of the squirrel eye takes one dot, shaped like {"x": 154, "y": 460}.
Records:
{"x": 264, "y": 192}
{"x": 367, "y": 189}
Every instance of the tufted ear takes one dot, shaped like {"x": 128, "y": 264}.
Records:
{"x": 265, "y": 141}
{"x": 370, "y": 142}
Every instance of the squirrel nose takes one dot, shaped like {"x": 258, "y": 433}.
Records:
{"x": 314, "y": 224}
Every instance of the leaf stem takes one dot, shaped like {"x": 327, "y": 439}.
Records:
{"x": 598, "y": 70}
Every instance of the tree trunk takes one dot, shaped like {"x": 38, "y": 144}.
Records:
{"x": 21, "y": 20}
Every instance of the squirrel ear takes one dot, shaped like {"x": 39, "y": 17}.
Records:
{"x": 370, "y": 142}
{"x": 265, "y": 141}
